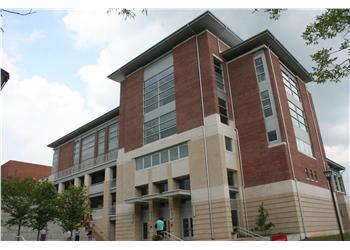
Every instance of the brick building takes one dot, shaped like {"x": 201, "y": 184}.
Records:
{"x": 209, "y": 127}
{"x": 24, "y": 170}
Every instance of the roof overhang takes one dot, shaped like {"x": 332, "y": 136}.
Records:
{"x": 335, "y": 166}
{"x": 206, "y": 21}
{"x": 136, "y": 200}
{"x": 154, "y": 197}
{"x": 266, "y": 38}
{"x": 180, "y": 193}
{"x": 100, "y": 120}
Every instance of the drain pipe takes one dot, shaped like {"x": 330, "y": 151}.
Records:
{"x": 289, "y": 153}
{"x": 239, "y": 153}
{"x": 204, "y": 139}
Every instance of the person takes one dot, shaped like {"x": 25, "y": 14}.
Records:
{"x": 77, "y": 235}
{"x": 160, "y": 227}
{"x": 43, "y": 233}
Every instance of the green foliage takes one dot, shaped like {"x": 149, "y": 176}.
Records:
{"x": 72, "y": 207}
{"x": 262, "y": 224}
{"x": 16, "y": 201}
{"x": 332, "y": 64}
{"x": 43, "y": 209}
{"x": 126, "y": 13}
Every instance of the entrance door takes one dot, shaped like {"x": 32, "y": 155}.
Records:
{"x": 112, "y": 230}
{"x": 144, "y": 224}
{"x": 186, "y": 220}
{"x": 164, "y": 212}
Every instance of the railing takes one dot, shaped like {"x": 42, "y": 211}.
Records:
{"x": 112, "y": 155}
{"x": 112, "y": 211}
{"x": 249, "y": 233}
{"x": 20, "y": 238}
{"x": 97, "y": 213}
{"x": 96, "y": 188}
{"x": 233, "y": 203}
{"x": 169, "y": 236}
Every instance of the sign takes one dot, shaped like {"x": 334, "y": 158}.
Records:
{"x": 279, "y": 238}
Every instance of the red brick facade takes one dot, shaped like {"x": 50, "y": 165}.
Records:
{"x": 24, "y": 170}
{"x": 131, "y": 112}
{"x": 65, "y": 156}
{"x": 261, "y": 165}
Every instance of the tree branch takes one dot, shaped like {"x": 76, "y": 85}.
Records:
{"x": 19, "y": 13}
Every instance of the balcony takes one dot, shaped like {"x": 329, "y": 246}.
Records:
{"x": 107, "y": 157}
{"x": 113, "y": 184}
{"x": 96, "y": 188}
{"x": 97, "y": 213}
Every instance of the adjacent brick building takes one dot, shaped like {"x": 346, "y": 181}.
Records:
{"x": 24, "y": 170}
{"x": 209, "y": 127}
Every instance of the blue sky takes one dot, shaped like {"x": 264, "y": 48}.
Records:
{"x": 59, "y": 61}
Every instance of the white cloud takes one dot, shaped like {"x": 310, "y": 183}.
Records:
{"x": 34, "y": 36}
{"x": 34, "y": 113}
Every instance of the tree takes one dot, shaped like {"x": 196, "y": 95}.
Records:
{"x": 262, "y": 224}
{"x": 16, "y": 201}
{"x": 126, "y": 13}
{"x": 72, "y": 207}
{"x": 330, "y": 66}
{"x": 43, "y": 209}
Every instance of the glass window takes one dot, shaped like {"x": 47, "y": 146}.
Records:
{"x": 139, "y": 163}
{"x": 55, "y": 160}
{"x": 165, "y": 156}
{"x": 88, "y": 147}
{"x": 304, "y": 147}
{"x": 307, "y": 173}
{"x": 183, "y": 150}
{"x": 160, "y": 127}
{"x": 259, "y": 68}
{"x": 159, "y": 90}
{"x": 147, "y": 161}
{"x": 174, "y": 154}
{"x": 101, "y": 142}
{"x": 272, "y": 135}
{"x": 219, "y": 74}
{"x": 298, "y": 116}
{"x": 266, "y": 103}
{"x": 113, "y": 136}
{"x": 155, "y": 159}
{"x": 231, "y": 178}
{"x": 184, "y": 184}
{"x": 228, "y": 143}
{"x": 290, "y": 85}
{"x": 223, "y": 111}
{"x": 76, "y": 152}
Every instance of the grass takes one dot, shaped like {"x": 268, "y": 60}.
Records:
{"x": 330, "y": 238}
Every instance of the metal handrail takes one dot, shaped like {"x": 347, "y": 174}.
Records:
{"x": 20, "y": 237}
{"x": 250, "y": 233}
{"x": 171, "y": 236}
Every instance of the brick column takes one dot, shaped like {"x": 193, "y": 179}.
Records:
{"x": 107, "y": 201}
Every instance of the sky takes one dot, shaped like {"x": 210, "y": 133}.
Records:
{"x": 59, "y": 60}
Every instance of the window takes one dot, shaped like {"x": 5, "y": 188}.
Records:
{"x": 315, "y": 175}
{"x": 311, "y": 174}
{"x": 259, "y": 68}
{"x": 101, "y": 142}
{"x": 218, "y": 74}
{"x": 88, "y": 147}
{"x": 113, "y": 136}
{"x": 266, "y": 103}
{"x": 76, "y": 152}
{"x": 55, "y": 160}
{"x": 142, "y": 190}
{"x": 96, "y": 202}
{"x": 160, "y": 127}
{"x": 231, "y": 178}
{"x": 304, "y": 147}
{"x": 161, "y": 157}
{"x": 228, "y": 143}
{"x": 184, "y": 184}
{"x": 223, "y": 111}
{"x": 159, "y": 90}
{"x": 290, "y": 85}
{"x": 162, "y": 187}
{"x": 272, "y": 135}
{"x": 298, "y": 116}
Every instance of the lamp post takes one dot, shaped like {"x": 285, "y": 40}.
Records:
{"x": 329, "y": 173}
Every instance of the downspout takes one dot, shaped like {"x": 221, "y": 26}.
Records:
{"x": 289, "y": 152}
{"x": 239, "y": 153}
{"x": 204, "y": 139}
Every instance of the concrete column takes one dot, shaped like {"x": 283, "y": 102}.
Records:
{"x": 107, "y": 201}
{"x": 87, "y": 181}
{"x": 77, "y": 182}
{"x": 60, "y": 187}
{"x": 175, "y": 216}
{"x": 153, "y": 215}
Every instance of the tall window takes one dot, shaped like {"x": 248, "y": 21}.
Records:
{"x": 266, "y": 103}
{"x": 298, "y": 116}
{"x": 304, "y": 147}
{"x": 88, "y": 147}
{"x": 101, "y": 142}
{"x": 218, "y": 74}
{"x": 159, "y": 90}
{"x": 259, "y": 67}
{"x": 223, "y": 111}
{"x": 55, "y": 160}
{"x": 76, "y": 152}
{"x": 113, "y": 136}
{"x": 290, "y": 85}
{"x": 160, "y": 127}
